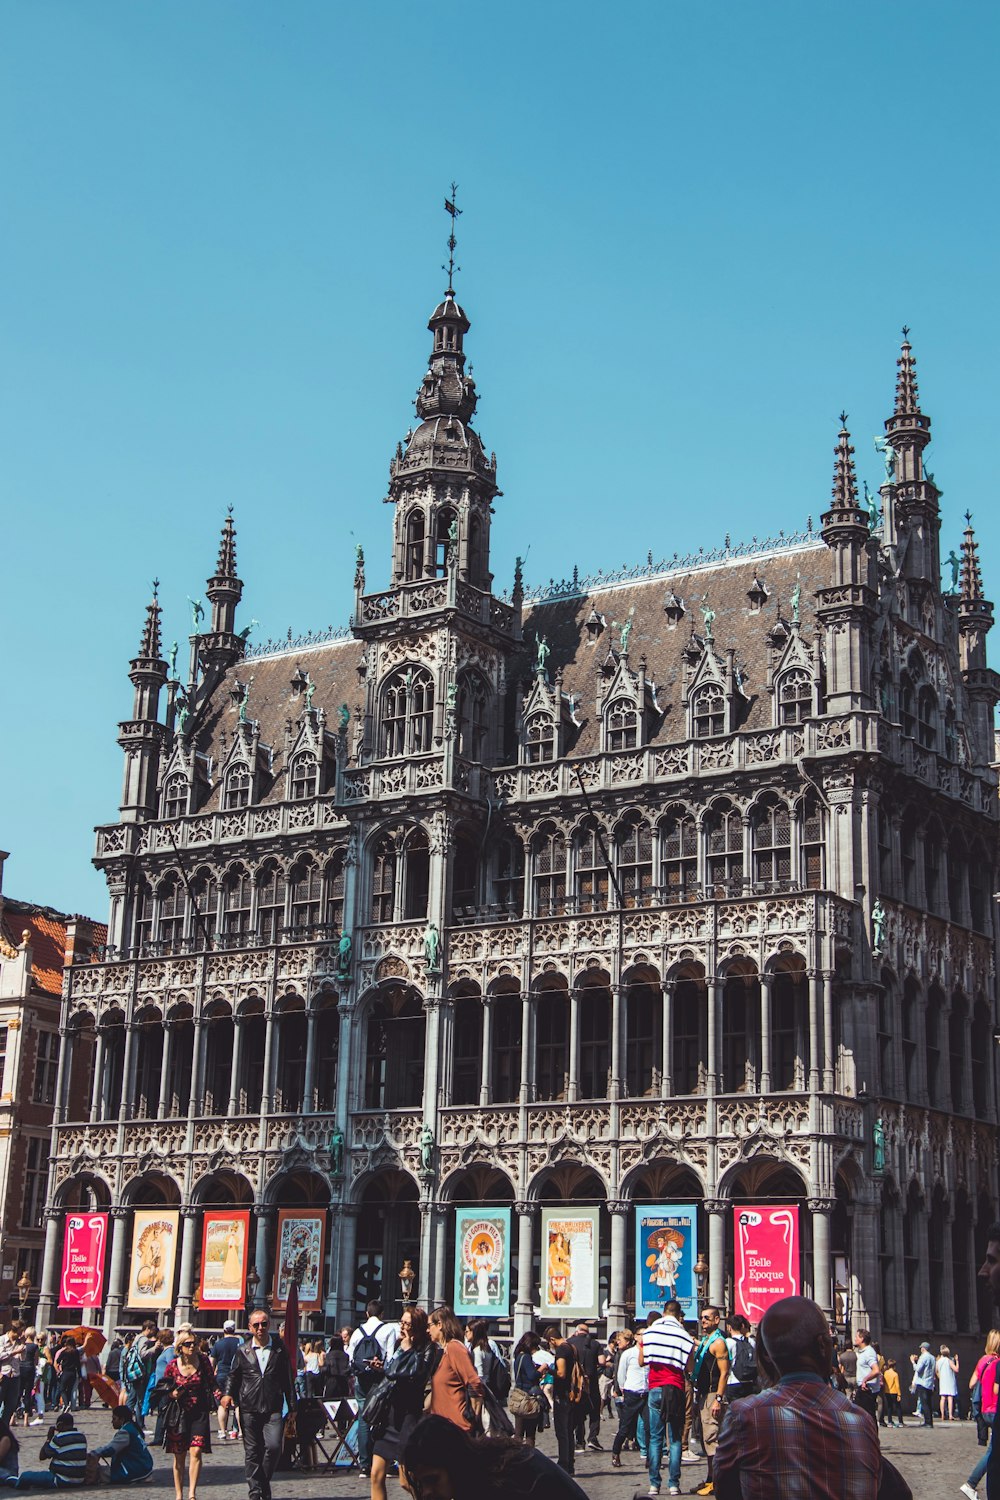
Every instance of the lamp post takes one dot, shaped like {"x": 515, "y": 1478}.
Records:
{"x": 24, "y": 1290}
{"x": 701, "y": 1277}
{"x": 407, "y": 1277}
{"x": 253, "y": 1282}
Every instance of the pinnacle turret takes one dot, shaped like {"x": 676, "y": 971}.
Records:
{"x": 907, "y": 398}
{"x": 226, "y": 566}
{"x": 970, "y": 577}
{"x": 150, "y": 645}
{"x": 845, "y": 480}
{"x": 224, "y": 589}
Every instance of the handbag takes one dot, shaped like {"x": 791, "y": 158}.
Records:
{"x": 378, "y": 1407}
{"x": 523, "y": 1403}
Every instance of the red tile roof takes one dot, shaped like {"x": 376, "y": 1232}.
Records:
{"x": 47, "y": 935}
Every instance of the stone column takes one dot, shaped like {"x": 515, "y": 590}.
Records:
{"x": 425, "y": 1268}
{"x": 484, "y": 1077}
{"x": 815, "y": 1043}
{"x": 116, "y": 1277}
{"x": 714, "y": 988}
{"x": 97, "y": 1088}
{"x": 829, "y": 1045}
{"x": 130, "y": 1059}
{"x": 617, "y": 1008}
{"x": 618, "y": 1310}
{"x": 270, "y": 1048}
{"x": 766, "y": 981}
{"x": 527, "y": 1052}
{"x": 262, "y": 1253}
{"x": 165, "y": 1100}
{"x": 821, "y": 1210}
{"x": 525, "y": 1304}
{"x": 64, "y": 1073}
{"x": 234, "y": 1070}
{"x": 717, "y": 1208}
{"x": 573, "y": 1087}
{"x": 185, "y": 1288}
{"x": 667, "y": 1070}
{"x": 197, "y": 1068}
{"x": 309, "y": 1086}
{"x": 439, "y": 1291}
{"x": 342, "y": 1278}
{"x": 50, "y": 1270}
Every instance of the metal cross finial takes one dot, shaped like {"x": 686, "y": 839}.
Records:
{"x": 906, "y": 332}
{"x": 843, "y": 419}
{"x": 968, "y": 517}
{"x": 229, "y": 510}
{"x": 450, "y": 207}
{"x": 156, "y": 587}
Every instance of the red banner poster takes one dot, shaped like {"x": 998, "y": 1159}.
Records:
{"x": 767, "y": 1257}
{"x": 84, "y": 1242}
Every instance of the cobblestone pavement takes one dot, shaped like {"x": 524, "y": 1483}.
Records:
{"x": 934, "y": 1462}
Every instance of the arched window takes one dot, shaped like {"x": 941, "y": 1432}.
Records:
{"x": 643, "y": 1038}
{"x": 911, "y": 1002}
{"x": 442, "y": 542}
{"x": 789, "y": 1031}
{"x": 305, "y": 778}
{"x": 477, "y": 565}
{"x": 957, "y": 858}
{"x": 724, "y": 833}
{"x": 980, "y": 871}
{"x": 932, "y": 866}
{"x": 549, "y": 874}
{"x": 473, "y": 700}
{"x": 794, "y": 696}
{"x": 935, "y": 1256}
{"x": 678, "y": 856}
{"x": 204, "y": 906}
{"x": 914, "y": 1252}
{"x": 508, "y": 882}
{"x": 467, "y": 1050}
{"x": 306, "y": 886}
{"x": 383, "y": 881}
{"x": 812, "y": 844}
{"x": 142, "y": 917}
{"x": 688, "y": 1028}
{"x": 505, "y": 1053}
{"x": 908, "y": 857}
{"x": 740, "y": 1028}
{"x": 415, "y": 544}
{"x": 271, "y": 889}
{"x": 236, "y": 793}
{"x": 708, "y": 712}
{"x": 551, "y": 1044}
{"x": 622, "y": 721}
{"x": 394, "y": 1062}
{"x": 950, "y": 732}
{"x": 173, "y": 903}
{"x": 927, "y": 717}
{"x": 594, "y": 1003}
{"x": 885, "y": 882}
{"x": 590, "y": 869}
{"x": 416, "y": 876}
{"x": 771, "y": 829}
{"x": 634, "y": 858}
{"x": 176, "y": 796}
{"x": 465, "y": 876}
{"x": 407, "y": 713}
{"x": 982, "y": 1060}
{"x": 539, "y": 739}
{"x": 334, "y": 914}
{"x": 957, "y": 1023}
{"x": 933, "y": 1018}
{"x": 237, "y": 897}
{"x": 907, "y": 716}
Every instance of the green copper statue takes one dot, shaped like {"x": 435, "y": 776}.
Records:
{"x": 243, "y": 704}
{"x": 955, "y": 564}
{"x": 708, "y": 615}
{"x": 871, "y": 505}
{"x": 878, "y": 1146}
{"x": 432, "y": 945}
{"x": 337, "y": 1152}
{"x": 542, "y": 653}
{"x": 888, "y": 452}
{"x": 344, "y": 955}
{"x": 625, "y": 631}
{"x": 453, "y": 533}
{"x": 310, "y": 693}
{"x": 343, "y": 718}
{"x": 172, "y": 659}
{"x": 197, "y": 614}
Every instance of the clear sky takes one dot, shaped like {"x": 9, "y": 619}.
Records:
{"x": 690, "y": 236}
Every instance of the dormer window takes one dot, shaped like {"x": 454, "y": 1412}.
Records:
{"x": 794, "y": 697}
{"x": 622, "y": 725}
{"x": 305, "y": 778}
{"x": 407, "y": 713}
{"x": 539, "y": 739}
{"x": 176, "y": 795}
{"x": 237, "y": 788}
{"x": 709, "y": 711}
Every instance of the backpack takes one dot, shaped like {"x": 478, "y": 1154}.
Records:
{"x": 366, "y": 1350}
{"x": 133, "y": 1366}
{"x": 745, "y": 1361}
{"x": 497, "y": 1377}
{"x": 577, "y": 1383}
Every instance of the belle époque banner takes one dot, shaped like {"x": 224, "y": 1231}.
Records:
{"x": 666, "y": 1248}
{"x": 301, "y": 1238}
{"x": 85, "y": 1240}
{"x": 482, "y": 1262}
{"x": 570, "y": 1262}
{"x": 766, "y": 1240}
{"x": 154, "y": 1254}
{"x": 224, "y": 1241}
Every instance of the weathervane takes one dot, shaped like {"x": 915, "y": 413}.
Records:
{"x": 450, "y": 207}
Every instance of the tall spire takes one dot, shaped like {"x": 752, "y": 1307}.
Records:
{"x": 970, "y": 578}
{"x": 150, "y": 646}
{"x": 226, "y": 566}
{"x": 907, "y": 399}
{"x": 224, "y": 589}
{"x": 845, "y": 480}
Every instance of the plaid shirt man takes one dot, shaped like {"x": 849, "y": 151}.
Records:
{"x": 801, "y": 1440}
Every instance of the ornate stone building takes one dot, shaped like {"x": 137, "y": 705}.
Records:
{"x": 671, "y": 885}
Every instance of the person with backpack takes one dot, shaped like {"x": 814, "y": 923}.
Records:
{"x": 137, "y": 1368}
{"x": 224, "y": 1352}
{"x": 489, "y": 1363}
{"x": 588, "y": 1415}
{"x": 372, "y": 1346}
{"x": 742, "y": 1360}
{"x": 568, "y": 1387}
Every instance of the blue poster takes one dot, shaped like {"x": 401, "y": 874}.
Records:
{"x": 666, "y": 1248}
{"x": 482, "y": 1262}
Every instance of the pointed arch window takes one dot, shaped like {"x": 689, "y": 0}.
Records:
{"x": 634, "y": 859}
{"x": 205, "y": 901}
{"x": 237, "y": 899}
{"x": 772, "y": 843}
{"x": 907, "y": 716}
{"x": 473, "y": 700}
{"x": 173, "y": 906}
{"x": 236, "y": 792}
{"x": 927, "y": 717}
{"x": 539, "y": 739}
{"x": 415, "y": 545}
{"x": 176, "y": 796}
{"x": 708, "y": 713}
{"x": 551, "y": 1044}
{"x": 407, "y": 713}
{"x": 306, "y": 886}
{"x": 416, "y": 876}
{"x": 383, "y": 881}
{"x": 508, "y": 882}
{"x": 590, "y": 869}
{"x": 271, "y": 891}
{"x": 305, "y": 778}
{"x": 908, "y": 857}
{"x": 442, "y": 541}
{"x": 335, "y": 876}
{"x": 813, "y": 845}
{"x": 549, "y": 874}
{"x": 794, "y": 697}
{"x": 678, "y": 856}
{"x": 622, "y": 721}
{"x": 884, "y": 851}
{"x": 142, "y": 917}
{"x": 724, "y": 832}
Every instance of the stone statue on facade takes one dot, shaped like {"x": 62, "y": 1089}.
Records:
{"x": 310, "y": 694}
{"x": 708, "y": 615}
{"x": 625, "y": 632}
{"x": 172, "y": 660}
{"x": 343, "y": 718}
{"x": 955, "y": 564}
{"x": 197, "y": 614}
{"x": 795, "y": 600}
{"x": 880, "y": 924}
{"x": 337, "y": 1153}
{"x": 878, "y": 1146}
{"x": 426, "y": 1148}
{"x": 432, "y": 946}
{"x": 542, "y": 653}
{"x": 871, "y": 505}
{"x": 344, "y": 956}
{"x": 888, "y": 452}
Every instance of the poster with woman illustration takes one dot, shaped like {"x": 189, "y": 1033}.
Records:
{"x": 482, "y": 1262}
{"x": 154, "y": 1253}
{"x": 570, "y": 1263}
{"x": 224, "y": 1240}
{"x": 301, "y": 1236}
{"x": 666, "y": 1248}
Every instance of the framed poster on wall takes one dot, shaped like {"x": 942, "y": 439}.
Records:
{"x": 85, "y": 1241}
{"x": 666, "y": 1248}
{"x": 154, "y": 1255}
{"x": 482, "y": 1262}
{"x": 224, "y": 1241}
{"x": 570, "y": 1262}
{"x": 301, "y": 1239}
{"x": 766, "y": 1242}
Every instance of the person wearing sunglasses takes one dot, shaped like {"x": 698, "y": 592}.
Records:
{"x": 261, "y": 1384}
{"x": 189, "y": 1381}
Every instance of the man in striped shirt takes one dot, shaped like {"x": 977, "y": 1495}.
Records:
{"x": 66, "y": 1450}
{"x": 666, "y": 1349}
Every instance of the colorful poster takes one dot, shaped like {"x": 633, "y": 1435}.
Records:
{"x": 570, "y": 1262}
{"x": 666, "y": 1248}
{"x": 301, "y": 1236}
{"x": 766, "y": 1240}
{"x": 224, "y": 1240}
{"x": 154, "y": 1253}
{"x": 482, "y": 1262}
{"x": 85, "y": 1240}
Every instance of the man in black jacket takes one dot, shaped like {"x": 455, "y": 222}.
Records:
{"x": 260, "y": 1383}
{"x": 588, "y": 1411}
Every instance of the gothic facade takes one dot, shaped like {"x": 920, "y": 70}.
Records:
{"x": 672, "y": 885}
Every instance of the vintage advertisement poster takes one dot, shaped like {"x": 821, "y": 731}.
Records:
{"x": 154, "y": 1254}
{"x": 85, "y": 1241}
{"x": 224, "y": 1240}
{"x": 301, "y": 1237}
{"x": 766, "y": 1240}
{"x": 482, "y": 1262}
{"x": 666, "y": 1248}
{"x": 570, "y": 1262}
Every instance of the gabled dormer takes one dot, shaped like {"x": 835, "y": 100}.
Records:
{"x": 245, "y": 768}
{"x": 185, "y": 779}
{"x": 624, "y": 703}
{"x": 709, "y": 689}
{"x": 544, "y": 719}
{"x": 309, "y": 755}
{"x": 794, "y": 676}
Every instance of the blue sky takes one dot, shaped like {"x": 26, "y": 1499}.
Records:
{"x": 690, "y": 236}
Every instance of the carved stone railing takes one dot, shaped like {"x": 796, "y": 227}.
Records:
{"x": 423, "y": 596}
{"x": 495, "y": 1125}
{"x": 203, "y": 829}
{"x": 396, "y": 1129}
{"x": 398, "y": 778}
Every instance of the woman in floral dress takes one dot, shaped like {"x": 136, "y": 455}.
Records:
{"x": 190, "y": 1381}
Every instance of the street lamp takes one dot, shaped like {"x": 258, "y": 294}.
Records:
{"x": 24, "y": 1290}
{"x": 701, "y": 1276}
{"x": 253, "y": 1282}
{"x": 407, "y": 1277}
